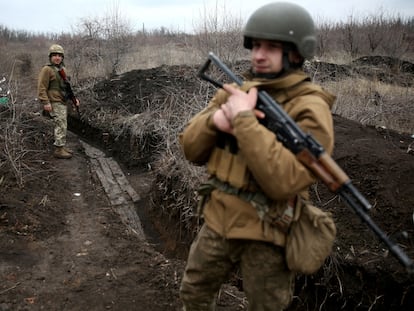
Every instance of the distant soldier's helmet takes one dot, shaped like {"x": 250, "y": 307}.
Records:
{"x": 282, "y": 21}
{"x": 56, "y": 48}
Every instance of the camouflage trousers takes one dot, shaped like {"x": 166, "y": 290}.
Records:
{"x": 59, "y": 116}
{"x": 267, "y": 282}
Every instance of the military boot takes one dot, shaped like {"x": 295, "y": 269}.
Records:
{"x": 68, "y": 150}
{"x": 61, "y": 153}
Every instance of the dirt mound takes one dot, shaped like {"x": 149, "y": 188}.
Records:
{"x": 376, "y": 68}
{"x": 135, "y": 89}
{"x": 386, "y": 62}
{"x": 385, "y": 69}
{"x": 323, "y": 71}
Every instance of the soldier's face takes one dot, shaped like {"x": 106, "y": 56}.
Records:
{"x": 56, "y": 58}
{"x": 266, "y": 56}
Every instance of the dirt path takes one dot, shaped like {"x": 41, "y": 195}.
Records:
{"x": 83, "y": 256}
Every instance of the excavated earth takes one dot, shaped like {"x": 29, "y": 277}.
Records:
{"x": 70, "y": 241}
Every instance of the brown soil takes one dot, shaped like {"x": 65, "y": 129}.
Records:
{"x": 64, "y": 247}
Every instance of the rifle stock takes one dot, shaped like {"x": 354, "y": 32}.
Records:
{"x": 310, "y": 153}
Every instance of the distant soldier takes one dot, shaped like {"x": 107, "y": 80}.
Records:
{"x": 254, "y": 180}
{"x": 52, "y": 93}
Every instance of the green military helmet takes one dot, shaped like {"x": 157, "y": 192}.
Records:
{"x": 56, "y": 48}
{"x": 282, "y": 21}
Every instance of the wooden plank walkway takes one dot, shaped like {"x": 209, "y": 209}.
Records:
{"x": 120, "y": 193}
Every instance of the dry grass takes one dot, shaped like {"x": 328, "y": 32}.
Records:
{"x": 166, "y": 54}
{"x": 374, "y": 103}
{"x": 176, "y": 179}
{"x": 21, "y": 143}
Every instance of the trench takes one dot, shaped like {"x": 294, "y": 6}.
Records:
{"x": 339, "y": 285}
{"x": 157, "y": 229}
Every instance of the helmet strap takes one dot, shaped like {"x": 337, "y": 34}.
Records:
{"x": 265, "y": 75}
{"x": 285, "y": 60}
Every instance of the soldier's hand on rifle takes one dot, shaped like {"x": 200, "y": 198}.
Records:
{"x": 237, "y": 102}
{"x": 47, "y": 107}
{"x": 240, "y": 101}
{"x": 222, "y": 122}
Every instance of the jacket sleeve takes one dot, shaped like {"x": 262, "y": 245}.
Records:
{"x": 43, "y": 86}
{"x": 199, "y": 136}
{"x": 274, "y": 167}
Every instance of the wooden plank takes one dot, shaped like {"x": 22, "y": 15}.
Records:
{"x": 92, "y": 152}
{"x": 123, "y": 181}
{"x": 114, "y": 196}
{"x": 117, "y": 188}
{"x": 130, "y": 218}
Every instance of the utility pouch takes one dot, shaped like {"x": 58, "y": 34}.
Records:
{"x": 310, "y": 239}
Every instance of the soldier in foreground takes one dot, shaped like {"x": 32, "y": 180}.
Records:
{"x": 54, "y": 92}
{"x": 255, "y": 184}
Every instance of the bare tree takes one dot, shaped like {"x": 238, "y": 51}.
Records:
{"x": 100, "y": 43}
{"x": 117, "y": 33}
{"x": 373, "y": 26}
{"x": 324, "y": 30}
{"x": 219, "y": 32}
{"x": 349, "y": 32}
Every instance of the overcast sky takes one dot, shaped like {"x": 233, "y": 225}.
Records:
{"x": 56, "y": 16}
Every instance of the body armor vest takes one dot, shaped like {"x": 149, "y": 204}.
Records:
{"x": 226, "y": 162}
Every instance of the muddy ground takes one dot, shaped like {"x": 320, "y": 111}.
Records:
{"x": 64, "y": 247}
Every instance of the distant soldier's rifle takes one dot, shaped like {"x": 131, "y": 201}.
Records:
{"x": 68, "y": 88}
{"x": 310, "y": 153}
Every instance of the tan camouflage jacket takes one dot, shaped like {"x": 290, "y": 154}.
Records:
{"x": 49, "y": 87}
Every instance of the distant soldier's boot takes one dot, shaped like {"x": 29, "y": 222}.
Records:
{"x": 61, "y": 153}
{"x": 68, "y": 150}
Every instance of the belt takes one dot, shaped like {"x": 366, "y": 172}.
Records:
{"x": 257, "y": 199}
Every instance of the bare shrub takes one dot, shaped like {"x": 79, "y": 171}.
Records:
{"x": 20, "y": 142}
{"x": 398, "y": 37}
{"x": 379, "y": 34}
{"x": 176, "y": 178}
{"x": 25, "y": 64}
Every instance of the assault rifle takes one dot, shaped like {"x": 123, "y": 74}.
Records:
{"x": 311, "y": 154}
{"x": 69, "y": 92}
